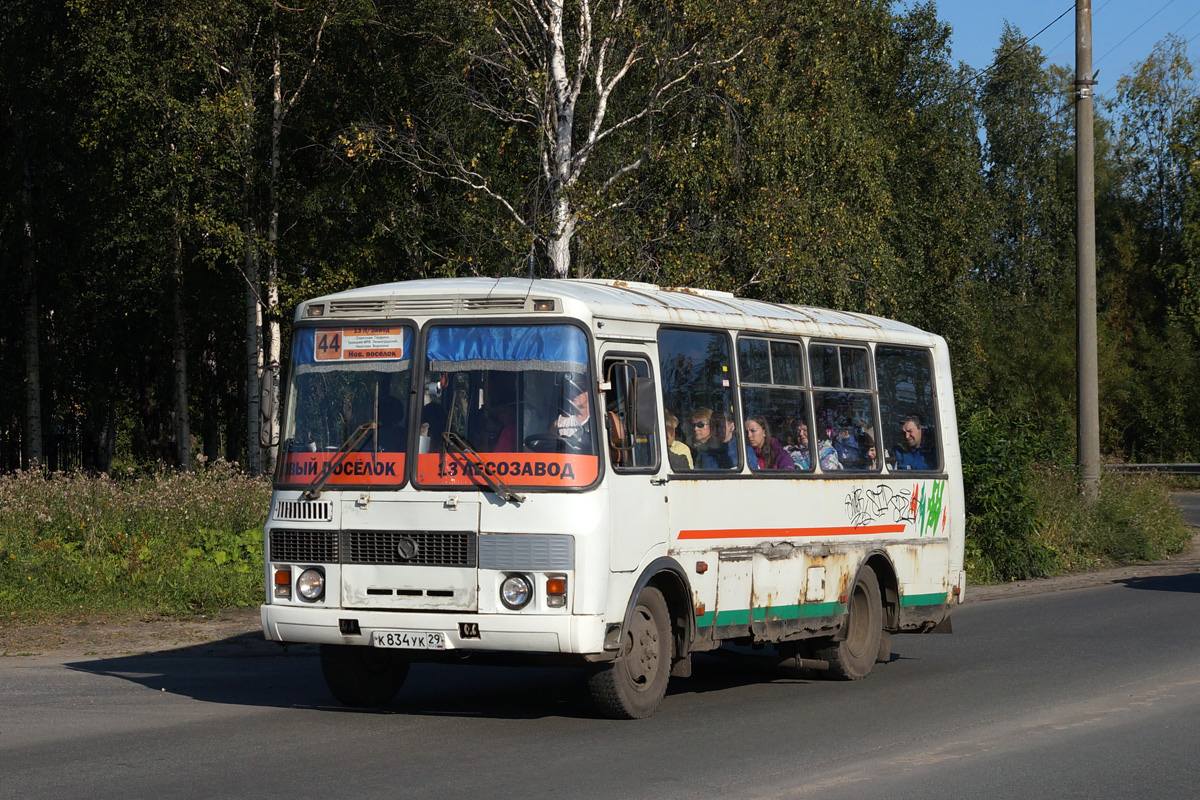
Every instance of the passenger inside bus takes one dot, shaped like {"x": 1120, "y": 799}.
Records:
{"x": 679, "y": 455}
{"x": 724, "y": 429}
{"x": 918, "y": 451}
{"x": 709, "y": 451}
{"x": 501, "y": 428}
{"x": 765, "y": 450}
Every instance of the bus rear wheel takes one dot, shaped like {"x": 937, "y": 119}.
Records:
{"x": 853, "y": 657}
{"x": 362, "y": 677}
{"x": 632, "y": 685}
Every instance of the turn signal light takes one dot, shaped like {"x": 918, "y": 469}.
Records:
{"x": 556, "y": 592}
{"x": 283, "y": 584}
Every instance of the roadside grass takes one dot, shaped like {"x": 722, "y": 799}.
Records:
{"x": 1132, "y": 521}
{"x": 155, "y": 542}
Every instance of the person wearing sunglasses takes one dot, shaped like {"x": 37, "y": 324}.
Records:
{"x": 710, "y": 452}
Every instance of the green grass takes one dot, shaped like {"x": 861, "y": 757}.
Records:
{"x": 158, "y": 541}
{"x": 1132, "y": 521}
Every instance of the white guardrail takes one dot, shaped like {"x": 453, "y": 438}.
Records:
{"x": 1165, "y": 469}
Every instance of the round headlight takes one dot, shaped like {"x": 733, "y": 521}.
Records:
{"x": 311, "y": 585}
{"x": 516, "y": 592}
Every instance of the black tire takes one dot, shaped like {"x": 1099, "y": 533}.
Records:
{"x": 632, "y": 685}
{"x": 361, "y": 676}
{"x": 852, "y": 658}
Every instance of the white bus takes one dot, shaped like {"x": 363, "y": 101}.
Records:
{"x": 610, "y": 474}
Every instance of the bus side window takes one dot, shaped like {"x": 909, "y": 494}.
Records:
{"x": 697, "y": 386}
{"x": 846, "y": 430}
{"x": 907, "y": 408}
{"x": 771, "y": 376}
{"x": 630, "y": 415}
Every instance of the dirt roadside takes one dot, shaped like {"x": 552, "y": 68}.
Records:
{"x": 237, "y": 631}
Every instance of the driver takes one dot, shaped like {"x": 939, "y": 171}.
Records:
{"x": 575, "y": 426}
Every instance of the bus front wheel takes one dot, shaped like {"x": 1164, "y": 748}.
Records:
{"x": 362, "y": 677}
{"x": 853, "y": 657}
{"x": 632, "y": 685}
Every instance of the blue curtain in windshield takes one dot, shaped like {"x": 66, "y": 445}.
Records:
{"x": 555, "y": 348}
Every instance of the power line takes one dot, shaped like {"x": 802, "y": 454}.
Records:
{"x": 1185, "y": 23}
{"x": 978, "y": 74}
{"x": 1135, "y": 30}
{"x": 1071, "y": 35}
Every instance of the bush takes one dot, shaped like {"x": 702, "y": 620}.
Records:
{"x": 1026, "y": 518}
{"x": 1133, "y": 520}
{"x": 151, "y": 541}
{"x": 1002, "y": 542}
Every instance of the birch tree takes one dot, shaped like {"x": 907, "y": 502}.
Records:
{"x": 562, "y": 81}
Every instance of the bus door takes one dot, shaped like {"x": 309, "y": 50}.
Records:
{"x": 637, "y": 497}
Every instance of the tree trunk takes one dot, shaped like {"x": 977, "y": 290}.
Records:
{"x": 183, "y": 427}
{"x": 559, "y": 247}
{"x": 254, "y": 350}
{"x": 270, "y": 379}
{"x": 32, "y": 446}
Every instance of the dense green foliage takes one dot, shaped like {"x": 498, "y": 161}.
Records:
{"x": 821, "y": 152}
{"x": 164, "y": 541}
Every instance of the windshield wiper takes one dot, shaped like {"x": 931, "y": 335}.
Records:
{"x": 352, "y": 441}
{"x": 468, "y": 451}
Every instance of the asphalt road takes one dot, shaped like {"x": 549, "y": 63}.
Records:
{"x": 1088, "y": 693}
{"x": 1085, "y": 693}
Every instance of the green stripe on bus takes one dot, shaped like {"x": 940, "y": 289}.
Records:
{"x": 935, "y": 599}
{"x": 743, "y": 616}
{"x": 798, "y": 611}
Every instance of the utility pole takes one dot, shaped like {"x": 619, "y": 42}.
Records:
{"x": 1087, "y": 361}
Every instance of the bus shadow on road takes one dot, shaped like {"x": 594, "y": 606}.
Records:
{"x": 1188, "y": 582}
{"x": 232, "y": 673}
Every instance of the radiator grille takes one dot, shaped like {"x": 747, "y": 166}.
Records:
{"x": 312, "y": 547}
{"x": 428, "y": 548}
{"x": 366, "y": 307}
{"x": 404, "y": 306}
{"x": 471, "y": 304}
{"x": 302, "y": 511}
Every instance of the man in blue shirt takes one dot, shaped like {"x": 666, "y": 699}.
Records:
{"x": 918, "y": 450}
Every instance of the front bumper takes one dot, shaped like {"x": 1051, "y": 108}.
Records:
{"x": 517, "y": 633}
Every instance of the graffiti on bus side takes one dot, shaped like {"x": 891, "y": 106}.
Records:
{"x": 922, "y": 505}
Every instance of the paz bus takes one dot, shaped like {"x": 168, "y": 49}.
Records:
{"x": 608, "y": 474}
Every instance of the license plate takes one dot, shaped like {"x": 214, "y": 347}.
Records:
{"x": 410, "y": 640}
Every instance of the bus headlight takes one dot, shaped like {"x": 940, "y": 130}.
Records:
{"x": 311, "y": 585}
{"x": 516, "y": 592}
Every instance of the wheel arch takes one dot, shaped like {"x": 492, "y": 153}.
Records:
{"x": 889, "y": 586}
{"x": 666, "y": 575}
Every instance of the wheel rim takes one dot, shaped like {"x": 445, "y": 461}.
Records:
{"x": 642, "y": 650}
{"x": 860, "y": 622}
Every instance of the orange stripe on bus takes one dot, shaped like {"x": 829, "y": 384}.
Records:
{"x": 786, "y": 533}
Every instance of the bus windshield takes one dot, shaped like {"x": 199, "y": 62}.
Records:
{"x": 519, "y": 396}
{"x": 349, "y": 391}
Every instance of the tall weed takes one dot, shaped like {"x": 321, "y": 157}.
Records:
{"x": 1133, "y": 520}
{"x": 153, "y": 541}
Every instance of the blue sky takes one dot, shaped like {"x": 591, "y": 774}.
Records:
{"x": 1123, "y": 31}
